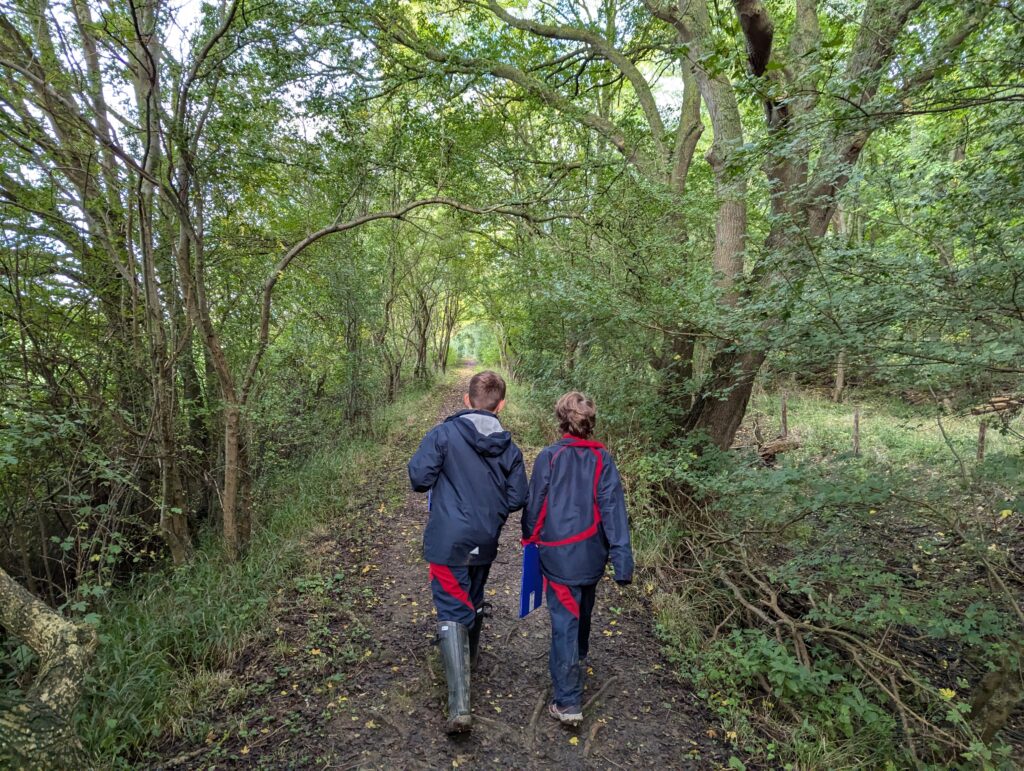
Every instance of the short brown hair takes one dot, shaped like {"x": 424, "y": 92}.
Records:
{"x": 486, "y": 390}
{"x": 576, "y": 414}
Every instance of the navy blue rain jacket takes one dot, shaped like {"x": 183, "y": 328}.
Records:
{"x": 565, "y": 476}
{"x": 476, "y": 477}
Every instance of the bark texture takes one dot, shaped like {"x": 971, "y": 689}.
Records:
{"x": 37, "y": 732}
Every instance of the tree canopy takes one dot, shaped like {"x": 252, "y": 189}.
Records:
{"x": 229, "y": 228}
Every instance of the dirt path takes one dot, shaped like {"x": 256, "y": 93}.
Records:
{"x": 352, "y": 680}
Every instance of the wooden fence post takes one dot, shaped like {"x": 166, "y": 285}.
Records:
{"x": 785, "y": 416}
{"x": 981, "y": 440}
{"x": 856, "y": 431}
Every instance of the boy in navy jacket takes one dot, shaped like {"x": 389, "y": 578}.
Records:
{"x": 576, "y": 513}
{"x": 475, "y": 475}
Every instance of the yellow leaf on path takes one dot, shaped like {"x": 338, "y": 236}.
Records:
{"x": 244, "y": 750}
{"x": 1005, "y": 513}
{"x": 314, "y": 651}
{"x": 366, "y": 569}
{"x": 947, "y": 693}
{"x": 574, "y": 741}
{"x": 371, "y": 724}
{"x": 607, "y": 633}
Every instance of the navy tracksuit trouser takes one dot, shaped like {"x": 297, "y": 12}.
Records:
{"x": 570, "y": 608}
{"x": 458, "y": 591}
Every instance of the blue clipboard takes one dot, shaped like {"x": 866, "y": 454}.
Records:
{"x": 531, "y": 588}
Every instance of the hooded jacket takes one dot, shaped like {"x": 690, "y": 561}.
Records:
{"x": 569, "y": 479}
{"x": 476, "y": 476}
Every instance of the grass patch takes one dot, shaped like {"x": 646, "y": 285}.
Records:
{"x": 891, "y": 432}
{"x": 531, "y": 421}
{"x": 167, "y": 640}
{"x": 890, "y": 552}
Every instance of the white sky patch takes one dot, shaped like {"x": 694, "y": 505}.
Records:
{"x": 182, "y": 25}
{"x": 668, "y": 93}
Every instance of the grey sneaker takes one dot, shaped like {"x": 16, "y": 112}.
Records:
{"x": 566, "y": 715}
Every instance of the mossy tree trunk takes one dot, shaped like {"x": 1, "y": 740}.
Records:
{"x": 37, "y": 731}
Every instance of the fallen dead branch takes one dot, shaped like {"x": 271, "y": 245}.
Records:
{"x": 1006, "y": 404}
{"x": 601, "y": 691}
{"x": 38, "y": 731}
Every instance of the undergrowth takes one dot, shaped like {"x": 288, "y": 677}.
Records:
{"x": 843, "y": 611}
{"x": 166, "y": 641}
{"x": 884, "y": 569}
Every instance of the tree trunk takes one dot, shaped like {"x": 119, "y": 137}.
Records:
{"x": 840, "y": 384}
{"x": 38, "y": 733}
{"x": 721, "y": 405}
{"x": 232, "y": 477}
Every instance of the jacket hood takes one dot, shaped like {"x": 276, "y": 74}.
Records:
{"x": 482, "y": 430}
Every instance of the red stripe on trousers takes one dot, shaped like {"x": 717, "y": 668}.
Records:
{"x": 444, "y": 576}
{"x": 564, "y": 595}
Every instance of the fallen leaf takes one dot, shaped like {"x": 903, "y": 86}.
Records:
{"x": 574, "y": 741}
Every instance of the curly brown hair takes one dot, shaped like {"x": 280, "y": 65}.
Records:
{"x": 576, "y": 414}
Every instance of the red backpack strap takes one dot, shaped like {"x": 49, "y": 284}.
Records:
{"x": 590, "y": 532}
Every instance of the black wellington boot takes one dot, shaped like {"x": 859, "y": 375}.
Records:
{"x": 454, "y": 641}
{"x": 474, "y": 639}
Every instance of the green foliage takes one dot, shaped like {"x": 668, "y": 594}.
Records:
{"x": 166, "y": 640}
{"x": 872, "y": 173}
{"x": 870, "y": 549}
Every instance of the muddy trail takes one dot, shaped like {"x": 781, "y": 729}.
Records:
{"x": 349, "y": 677}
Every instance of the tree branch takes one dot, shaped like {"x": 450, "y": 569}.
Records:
{"x": 340, "y": 227}
{"x": 758, "y": 31}
{"x": 605, "y": 48}
{"x": 529, "y": 83}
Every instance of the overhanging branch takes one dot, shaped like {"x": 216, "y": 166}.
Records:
{"x": 340, "y": 227}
